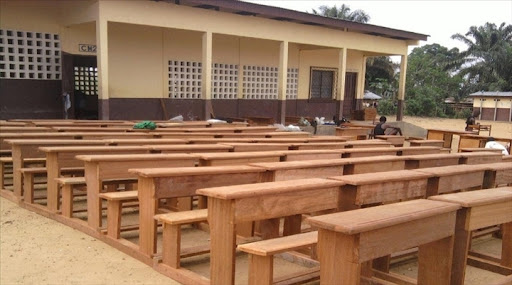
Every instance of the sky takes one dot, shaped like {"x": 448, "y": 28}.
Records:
{"x": 437, "y": 18}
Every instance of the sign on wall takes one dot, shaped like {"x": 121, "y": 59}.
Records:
{"x": 86, "y": 48}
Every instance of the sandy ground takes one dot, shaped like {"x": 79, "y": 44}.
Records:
{"x": 37, "y": 250}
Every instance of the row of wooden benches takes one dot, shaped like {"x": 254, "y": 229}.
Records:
{"x": 221, "y": 174}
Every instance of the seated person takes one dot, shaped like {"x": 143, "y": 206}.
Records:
{"x": 491, "y": 143}
{"x": 471, "y": 120}
{"x": 385, "y": 129}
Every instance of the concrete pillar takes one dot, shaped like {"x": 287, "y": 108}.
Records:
{"x": 102, "y": 62}
{"x": 340, "y": 83}
{"x": 360, "y": 87}
{"x": 206, "y": 74}
{"x": 281, "y": 81}
{"x": 401, "y": 88}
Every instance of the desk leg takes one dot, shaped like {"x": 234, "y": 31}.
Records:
{"x": 223, "y": 241}
{"x": 506, "y": 247}
{"x": 52, "y": 192}
{"x": 461, "y": 247}
{"x": 94, "y": 188}
{"x": 435, "y": 257}
{"x": 335, "y": 254}
{"x": 17, "y": 164}
{"x": 148, "y": 206}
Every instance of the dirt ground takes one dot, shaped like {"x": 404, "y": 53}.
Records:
{"x": 37, "y": 250}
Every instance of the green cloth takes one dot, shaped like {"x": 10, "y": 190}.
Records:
{"x": 145, "y": 125}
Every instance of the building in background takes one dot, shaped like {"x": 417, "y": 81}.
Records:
{"x": 493, "y": 106}
{"x": 143, "y": 59}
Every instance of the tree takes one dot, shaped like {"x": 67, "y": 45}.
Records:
{"x": 488, "y": 59}
{"x": 381, "y": 75}
{"x": 431, "y": 78}
{"x": 343, "y": 13}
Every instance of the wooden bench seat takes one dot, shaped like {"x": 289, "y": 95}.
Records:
{"x": 480, "y": 209}
{"x": 347, "y": 240}
{"x": 261, "y": 254}
{"x": 30, "y": 172}
{"x": 438, "y": 143}
{"x": 172, "y": 223}
{"x": 115, "y": 202}
{"x": 6, "y": 167}
{"x": 68, "y": 184}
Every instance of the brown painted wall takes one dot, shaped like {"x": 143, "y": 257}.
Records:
{"x": 503, "y": 114}
{"x": 150, "y": 109}
{"x": 30, "y": 99}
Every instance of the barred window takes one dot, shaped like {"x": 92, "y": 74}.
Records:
{"x": 323, "y": 83}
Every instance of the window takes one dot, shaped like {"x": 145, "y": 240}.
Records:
{"x": 323, "y": 83}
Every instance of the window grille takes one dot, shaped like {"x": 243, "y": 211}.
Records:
{"x": 224, "y": 81}
{"x": 323, "y": 83}
{"x": 292, "y": 83}
{"x": 29, "y": 55}
{"x": 86, "y": 79}
{"x": 259, "y": 82}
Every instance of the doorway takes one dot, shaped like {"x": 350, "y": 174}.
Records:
{"x": 80, "y": 79}
{"x": 349, "y": 101}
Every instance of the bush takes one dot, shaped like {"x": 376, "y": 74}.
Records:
{"x": 386, "y": 107}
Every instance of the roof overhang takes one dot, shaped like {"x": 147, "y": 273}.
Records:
{"x": 281, "y": 14}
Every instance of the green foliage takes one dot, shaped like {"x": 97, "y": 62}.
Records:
{"x": 343, "y": 13}
{"x": 387, "y": 107}
{"x": 430, "y": 80}
{"x": 488, "y": 57}
{"x": 463, "y": 114}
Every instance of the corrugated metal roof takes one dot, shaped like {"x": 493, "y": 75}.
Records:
{"x": 371, "y": 96}
{"x": 281, "y": 14}
{"x": 491, "y": 94}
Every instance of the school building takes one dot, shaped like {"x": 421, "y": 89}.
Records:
{"x": 493, "y": 105}
{"x": 150, "y": 59}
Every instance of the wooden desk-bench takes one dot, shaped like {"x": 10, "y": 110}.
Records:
{"x": 438, "y": 143}
{"x": 479, "y": 149}
{"x": 230, "y": 205}
{"x": 348, "y": 239}
{"x": 160, "y": 141}
{"x": 376, "y": 151}
{"x": 497, "y": 174}
{"x": 444, "y": 135}
{"x": 243, "y": 146}
{"x": 480, "y": 157}
{"x": 296, "y": 155}
{"x": 431, "y": 160}
{"x": 58, "y": 157}
{"x": 446, "y": 179}
{"x": 477, "y": 141}
{"x": 480, "y": 209}
{"x": 237, "y": 158}
{"x": 28, "y": 148}
{"x": 163, "y": 183}
{"x": 99, "y": 168}
{"x": 355, "y": 133}
{"x": 393, "y": 139}
{"x": 382, "y": 187}
{"x": 193, "y": 148}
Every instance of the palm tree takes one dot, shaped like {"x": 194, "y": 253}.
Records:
{"x": 488, "y": 59}
{"x": 343, "y": 13}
